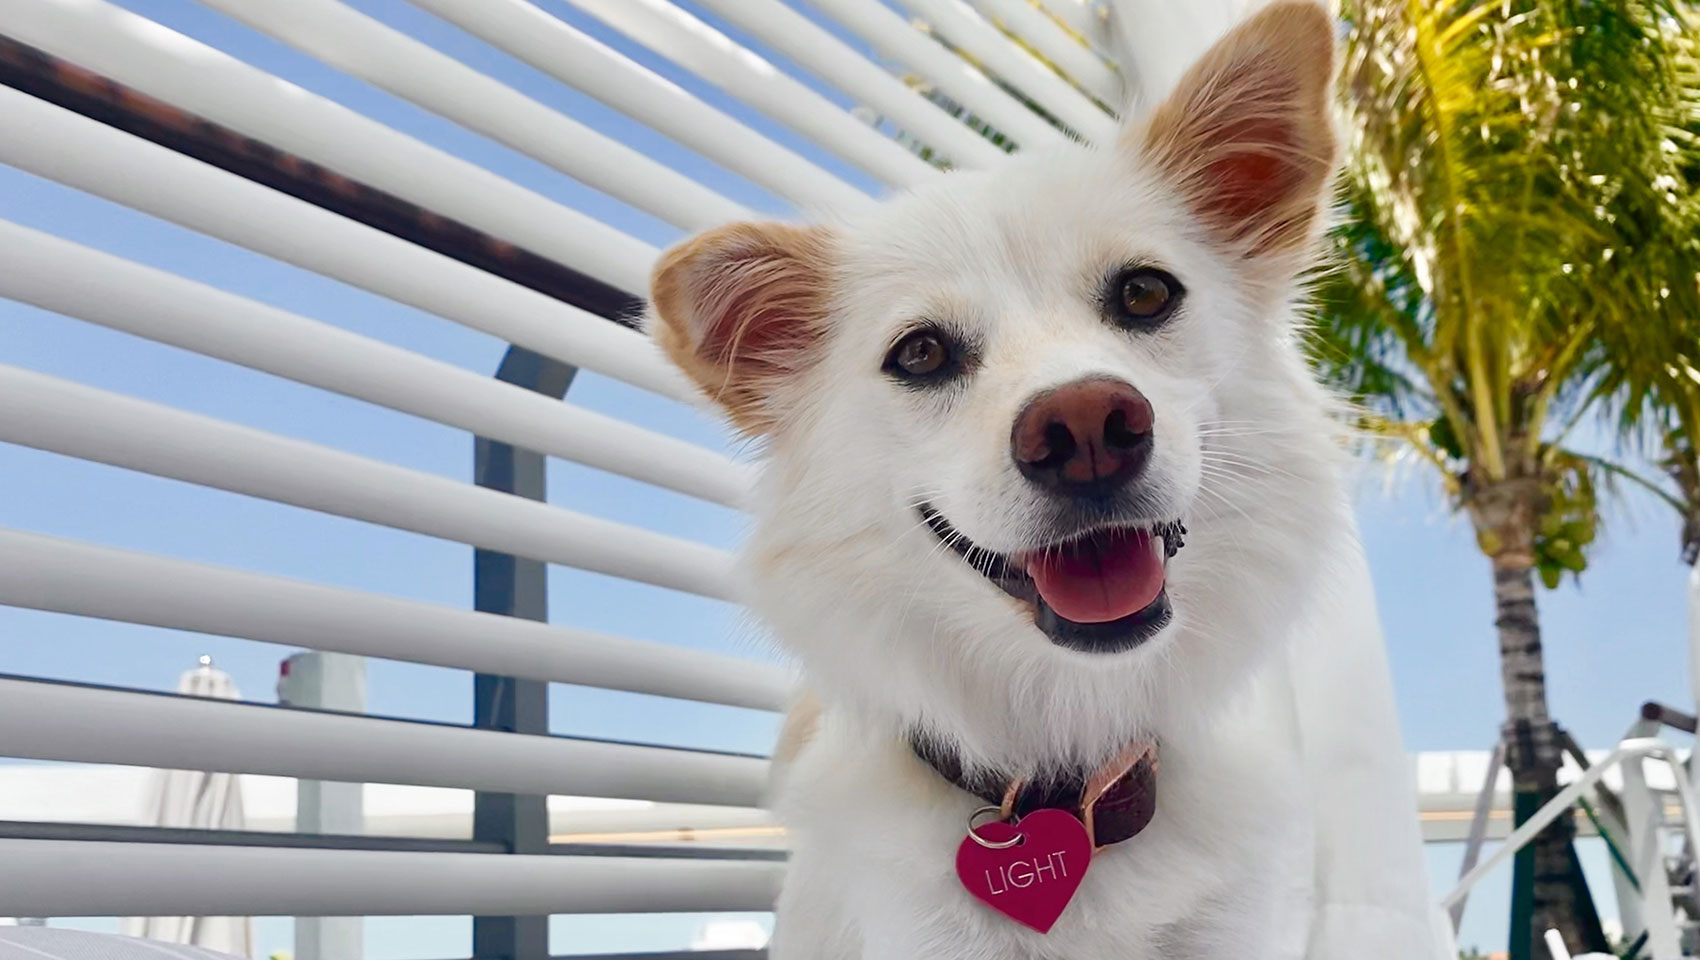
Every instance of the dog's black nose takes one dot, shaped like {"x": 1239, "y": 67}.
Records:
{"x": 1084, "y": 439}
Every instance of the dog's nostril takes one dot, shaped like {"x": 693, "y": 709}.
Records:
{"x": 1059, "y": 446}
{"x": 1118, "y": 435}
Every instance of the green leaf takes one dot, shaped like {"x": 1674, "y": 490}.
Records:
{"x": 1444, "y": 437}
{"x": 1519, "y": 243}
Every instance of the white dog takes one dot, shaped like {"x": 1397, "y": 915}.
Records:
{"x": 1048, "y": 479}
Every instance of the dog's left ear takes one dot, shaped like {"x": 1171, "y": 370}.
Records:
{"x": 1247, "y": 135}
{"x": 741, "y": 309}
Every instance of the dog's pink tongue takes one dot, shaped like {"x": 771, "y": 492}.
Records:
{"x": 1104, "y": 578}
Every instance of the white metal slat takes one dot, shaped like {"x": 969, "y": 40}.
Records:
{"x": 142, "y": 54}
{"x": 54, "y": 878}
{"x": 897, "y": 40}
{"x": 1065, "y": 52}
{"x": 964, "y": 28}
{"x": 387, "y": 58}
{"x": 1078, "y": 15}
{"x": 101, "y": 725}
{"x": 712, "y": 55}
{"x": 59, "y": 416}
{"x": 826, "y": 56}
{"x": 119, "y": 728}
{"x": 553, "y": 46}
{"x": 77, "y": 281}
{"x": 1158, "y": 46}
{"x": 63, "y": 576}
{"x": 68, "y": 148}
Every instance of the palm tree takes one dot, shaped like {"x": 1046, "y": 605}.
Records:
{"x": 1514, "y": 172}
{"x": 1660, "y": 381}
{"x": 1656, "y": 380}
{"x": 1661, "y": 374}
{"x": 1683, "y": 462}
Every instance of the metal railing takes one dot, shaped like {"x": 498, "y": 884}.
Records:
{"x": 104, "y": 101}
{"x": 1644, "y": 818}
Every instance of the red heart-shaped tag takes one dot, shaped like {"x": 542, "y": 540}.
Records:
{"x": 1032, "y": 881}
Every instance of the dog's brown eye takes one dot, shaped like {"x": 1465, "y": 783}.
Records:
{"x": 929, "y": 356}
{"x": 1145, "y": 296}
{"x": 921, "y": 354}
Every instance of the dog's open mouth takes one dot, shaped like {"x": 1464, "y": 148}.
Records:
{"x": 1102, "y": 592}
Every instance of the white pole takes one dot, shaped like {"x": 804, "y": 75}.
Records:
{"x": 79, "y": 281}
{"x": 892, "y": 36}
{"x": 869, "y": 83}
{"x": 363, "y": 47}
{"x": 963, "y": 27}
{"x": 1694, "y": 640}
{"x": 61, "y": 721}
{"x": 698, "y": 47}
{"x": 1068, "y": 55}
{"x": 1644, "y": 815}
{"x": 1156, "y": 41}
{"x": 77, "y": 421}
{"x": 159, "y": 62}
{"x": 65, "y": 147}
{"x": 327, "y": 681}
{"x": 1694, "y": 661}
{"x": 88, "y": 580}
{"x": 1633, "y": 749}
{"x": 58, "y": 878}
{"x": 584, "y": 63}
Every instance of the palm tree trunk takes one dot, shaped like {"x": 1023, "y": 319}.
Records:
{"x": 1550, "y": 893}
{"x": 1534, "y": 757}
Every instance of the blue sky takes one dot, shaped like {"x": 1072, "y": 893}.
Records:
{"x": 1613, "y": 641}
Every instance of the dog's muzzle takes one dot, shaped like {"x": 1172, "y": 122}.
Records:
{"x": 1104, "y": 591}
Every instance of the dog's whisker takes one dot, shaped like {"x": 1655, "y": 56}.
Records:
{"x": 1223, "y": 458}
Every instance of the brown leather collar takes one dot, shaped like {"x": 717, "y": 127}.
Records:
{"x": 1115, "y": 802}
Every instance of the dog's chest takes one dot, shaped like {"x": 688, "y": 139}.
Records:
{"x": 1167, "y": 894}
{"x": 1217, "y": 872}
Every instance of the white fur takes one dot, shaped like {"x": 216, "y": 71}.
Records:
{"x": 895, "y": 632}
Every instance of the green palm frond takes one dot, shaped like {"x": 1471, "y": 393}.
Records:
{"x": 1519, "y": 248}
{"x": 1372, "y": 317}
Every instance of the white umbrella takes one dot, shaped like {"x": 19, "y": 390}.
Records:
{"x": 199, "y": 800}
{"x": 726, "y": 934}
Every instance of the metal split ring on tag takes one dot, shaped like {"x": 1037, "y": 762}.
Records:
{"x": 974, "y": 834}
{"x": 1027, "y": 872}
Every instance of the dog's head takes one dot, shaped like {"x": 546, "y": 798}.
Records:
{"x": 996, "y": 406}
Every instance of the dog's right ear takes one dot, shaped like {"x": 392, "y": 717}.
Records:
{"x": 1248, "y": 135}
{"x": 741, "y": 309}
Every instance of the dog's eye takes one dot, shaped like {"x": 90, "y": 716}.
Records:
{"x": 922, "y": 355}
{"x": 1145, "y": 297}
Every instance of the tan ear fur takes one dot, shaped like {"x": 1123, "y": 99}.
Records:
{"x": 1248, "y": 135}
{"x": 801, "y": 724}
{"x": 741, "y": 308}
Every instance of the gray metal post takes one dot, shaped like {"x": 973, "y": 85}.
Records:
{"x": 514, "y": 587}
{"x": 327, "y": 681}
{"x": 1479, "y": 825}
